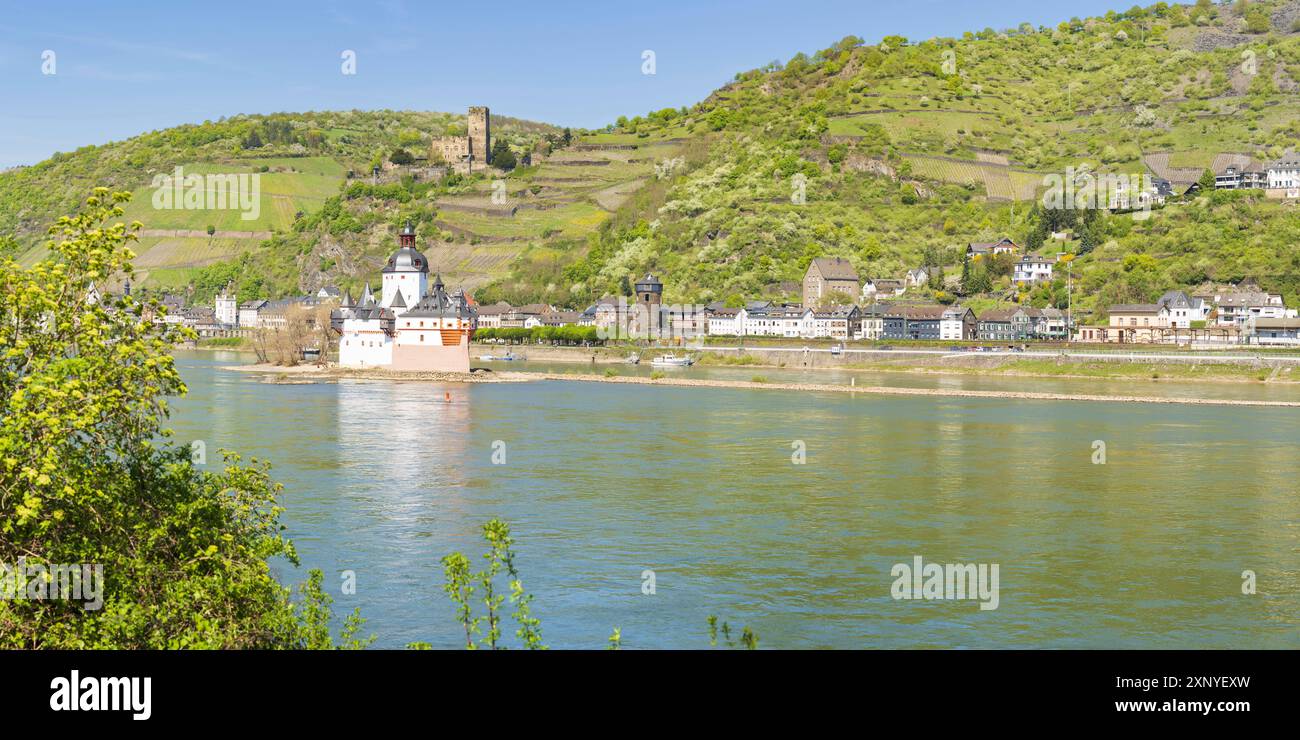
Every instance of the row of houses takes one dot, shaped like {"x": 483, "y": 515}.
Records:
{"x": 1240, "y": 314}
{"x": 886, "y": 321}
{"x": 1282, "y": 176}
{"x": 828, "y": 277}
{"x": 262, "y": 313}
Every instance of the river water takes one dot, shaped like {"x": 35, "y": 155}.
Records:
{"x": 705, "y": 487}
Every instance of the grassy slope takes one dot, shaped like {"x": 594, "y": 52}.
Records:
{"x": 298, "y": 172}
{"x": 1007, "y": 109}
{"x": 964, "y": 128}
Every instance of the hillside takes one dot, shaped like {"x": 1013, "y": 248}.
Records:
{"x": 910, "y": 150}
{"x": 312, "y": 227}
{"x": 899, "y": 153}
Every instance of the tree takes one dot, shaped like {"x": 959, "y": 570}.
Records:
{"x": 503, "y": 158}
{"x": 174, "y": 554}
{"x": 1207, "y": 181}
{"x": 401, "y": 157}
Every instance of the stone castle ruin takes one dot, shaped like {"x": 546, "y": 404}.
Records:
{"x": 466, "y": 153}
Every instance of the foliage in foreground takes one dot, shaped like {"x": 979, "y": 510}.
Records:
{"x": 89, "y": 476}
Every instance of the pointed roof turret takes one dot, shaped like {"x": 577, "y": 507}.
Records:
{"x": 438, "y": 303}
{"x": 367, "y": 298}
{"x": 347, "y": 300}
{"x": 398, "y": 301}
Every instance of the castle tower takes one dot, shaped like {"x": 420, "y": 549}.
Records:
{"x": 407, "y": 273}
{"x": 227, "y": 307}
{"x": 480, "y": 135}
{"x": 649, "y": 297}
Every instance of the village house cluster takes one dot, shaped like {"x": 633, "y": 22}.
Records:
{"x": 403, "y": 326}
{"x": 1278, "y": 179}
{"x": 1212, "y": 314}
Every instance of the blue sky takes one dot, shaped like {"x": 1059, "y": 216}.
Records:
{"x": 125, "y": 68}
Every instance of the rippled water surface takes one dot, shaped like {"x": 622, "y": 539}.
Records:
{"x": 602, "y": 482}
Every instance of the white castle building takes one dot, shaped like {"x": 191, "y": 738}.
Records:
{"x": 413, "y": 326}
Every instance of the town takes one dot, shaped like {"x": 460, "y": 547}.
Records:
{"x": 837, "y": 304}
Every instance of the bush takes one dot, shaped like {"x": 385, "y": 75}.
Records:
{"x": 174, "y": 554}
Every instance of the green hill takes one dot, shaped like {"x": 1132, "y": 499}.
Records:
{"x": 898, "y": 153}
{"x": 304, "y": 163}
{"x": 911, "y": 149}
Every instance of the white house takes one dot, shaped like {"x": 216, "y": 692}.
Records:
{"x": 1284, "y": 174}
{"x": 249, "y": 311}
{"x": 871, "y": 323}
{"x": 1033, "y": 268}
{"x": 1235, "y": 308}
{"x": 762, "y": 322}
{"x": 958, "y": 322}
{"x": 727, "y": 322}
{"x": 1184, "y": 309}
{"x": 840, "y": 322}
{"x": 877, "y": 289}
{"x": 918, "y": 278}
{"x": 796, "y": 321}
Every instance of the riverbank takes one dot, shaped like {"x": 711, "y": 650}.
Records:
{"x": 1091, "y": 365}
{"x": 308, "y": 373}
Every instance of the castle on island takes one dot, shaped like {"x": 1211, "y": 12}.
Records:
{"x": 414, "y": 326}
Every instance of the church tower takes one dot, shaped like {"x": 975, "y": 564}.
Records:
{"x": 406, "y": 274}
{"x": 480, "y": 134}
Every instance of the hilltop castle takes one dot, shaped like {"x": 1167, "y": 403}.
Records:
{"x": 413, "y": 326}
{"x": 467, "y": 153}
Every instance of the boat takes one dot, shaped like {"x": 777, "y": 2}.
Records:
{"x": 507, "y": 357}
{"x": 633, "y": 359}
{"x": 672, "y": 361}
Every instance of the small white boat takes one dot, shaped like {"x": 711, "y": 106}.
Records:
{"x": 633, "y": 359}
{"x": 507, "y": 357}
{"x": 672, "y": 361}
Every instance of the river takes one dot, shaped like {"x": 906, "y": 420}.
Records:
{"x": 704, "y": 487}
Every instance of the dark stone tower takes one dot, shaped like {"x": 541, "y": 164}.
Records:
{"x": 479, "y": 126}
{"x": 649, "y": 297}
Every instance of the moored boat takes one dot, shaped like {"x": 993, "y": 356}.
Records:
{"x": 672, "y": 361}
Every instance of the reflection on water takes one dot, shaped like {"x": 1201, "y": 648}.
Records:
{"x": 603, "y": 481}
